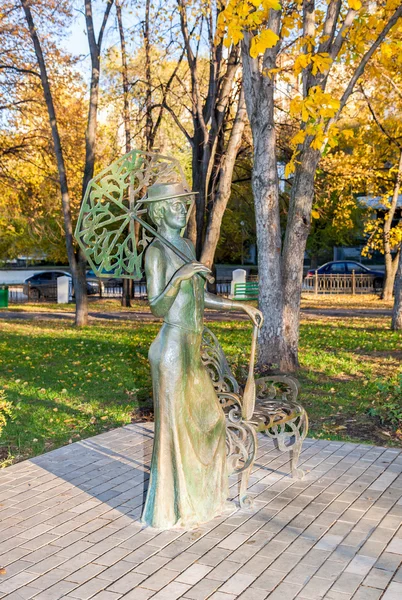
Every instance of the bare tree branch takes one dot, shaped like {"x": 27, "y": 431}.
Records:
{"x": 179, "y": 124}
{"x": 341, "y": 36}
{"x": 104, "y": 21}
{"x": 166, "y": 89}
{"x": 365, "y": 59}
{"x": 331, "y": 20}
{"x": 192, "y": 62}
{"x": 377, "y": 120}
{"x": 20, "y": 70}
{"x": 126, "y": 111}
{"x": 308, "y": 34}
{"x": 392, "y": 82}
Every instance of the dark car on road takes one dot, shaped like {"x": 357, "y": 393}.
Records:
{"x": 346, "y": 267}
{"x": 106, "y": 278}
{"x": 109, "y": 285}
{"x": 44, "y": 285}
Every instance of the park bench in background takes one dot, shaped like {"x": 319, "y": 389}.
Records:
{"x": 246, "y": 291}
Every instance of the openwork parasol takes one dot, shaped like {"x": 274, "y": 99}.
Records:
{"x": 110, "y": 228}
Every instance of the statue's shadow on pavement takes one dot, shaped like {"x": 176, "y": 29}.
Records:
{"x": 111, "y": 471}
{"x": 112, "y": 468}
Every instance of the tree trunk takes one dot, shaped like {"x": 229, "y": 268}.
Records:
{"x": 279, "y": 294}
{"x": 81, "y": 316}
{"x": 90, "y": 133}
{"x": 259, "y": 95}
{"x": 266, "y": 199}
{"x": 201, "y": 202}
{"x": 391, "y": 268}
{"x": 81, "y": 296}
{"x": 314, "y": 261}
{"x": 200, "y": 135}
{"x": 208, "y": 114}
{"x": 148, "y": 92}
{"x": 124, "y": 74}
{"x": 224, "y": 186}
{"x": 75, "y": 265}
{"x": 197, "y": 186}
{"x": 127, "y": 283}
{"x": 297, "y": 230}
{"x": 391, "y": 265}
{"x": 200, "y": 163}
{"x": 396, "y": 324}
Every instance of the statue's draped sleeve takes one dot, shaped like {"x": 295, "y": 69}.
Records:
{"x": 161, "y": 296}
{"x": 218, "y": 303}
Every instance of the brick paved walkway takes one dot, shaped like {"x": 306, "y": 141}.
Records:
{"x": 69, "y": 528}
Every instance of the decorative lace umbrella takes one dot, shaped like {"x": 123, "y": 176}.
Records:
{"x": 110, "y": 228}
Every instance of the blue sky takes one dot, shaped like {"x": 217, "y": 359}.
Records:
{"x": 76, "y": 42}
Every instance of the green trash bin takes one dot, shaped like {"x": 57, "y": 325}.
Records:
{"x": 3, "y": 296}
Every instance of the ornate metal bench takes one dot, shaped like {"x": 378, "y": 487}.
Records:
{"x": 276, "y": 413}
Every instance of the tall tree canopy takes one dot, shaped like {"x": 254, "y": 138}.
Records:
{"x": 314, "y": 52}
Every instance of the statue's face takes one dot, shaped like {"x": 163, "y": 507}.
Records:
{"x": 175, "y": 213}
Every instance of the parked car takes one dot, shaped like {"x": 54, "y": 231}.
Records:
{"x": 44, "y": 285}
{"x": 106, "y": 277}
{"x": 109, "y": 285}
{"x": 346, "y": 267}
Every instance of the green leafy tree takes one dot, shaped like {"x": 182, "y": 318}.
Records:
{"x": 39, "y": 55}
{"x": 30, "y": 213}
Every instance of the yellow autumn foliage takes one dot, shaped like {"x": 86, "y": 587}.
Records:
{"x": 316, "y": 105}
{"x": 247, "y": 15}
{"x": 321, "y": 62}
{"x": 355, "y": 4}
{"x": 259, "y": 43}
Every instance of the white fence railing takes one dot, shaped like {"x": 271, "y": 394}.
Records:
{"x": 356, "y": 283}
{"x": 317, "y": 283}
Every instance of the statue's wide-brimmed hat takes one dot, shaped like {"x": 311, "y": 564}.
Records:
{"x": 167, "y": 191}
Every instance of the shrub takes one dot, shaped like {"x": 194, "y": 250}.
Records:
{"x": 388, "y": 403}
{"x": 6, "y": 410}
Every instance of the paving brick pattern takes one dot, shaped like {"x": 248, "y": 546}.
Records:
{"x": 70, "y": 528}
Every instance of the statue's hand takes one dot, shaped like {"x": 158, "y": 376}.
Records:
{"x": 188, "y": 271}
{"x": 254, "y": 314}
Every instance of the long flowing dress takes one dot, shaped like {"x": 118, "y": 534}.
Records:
{"x": 188, "y": 482}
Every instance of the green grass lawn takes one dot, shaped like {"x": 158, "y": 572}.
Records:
{"x": 66, "y": 383}
{"x": 94, "y": 305}
{"x": 328, "y": 301}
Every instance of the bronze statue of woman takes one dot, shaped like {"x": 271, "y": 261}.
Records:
{"x": 188, "y": 482}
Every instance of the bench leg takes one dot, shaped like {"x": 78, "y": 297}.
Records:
{"x": 246, "y": 501}
{"x": 281, "y": 442}
{"x": 294, "y": 459}
{"x": 296, "y": 449}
